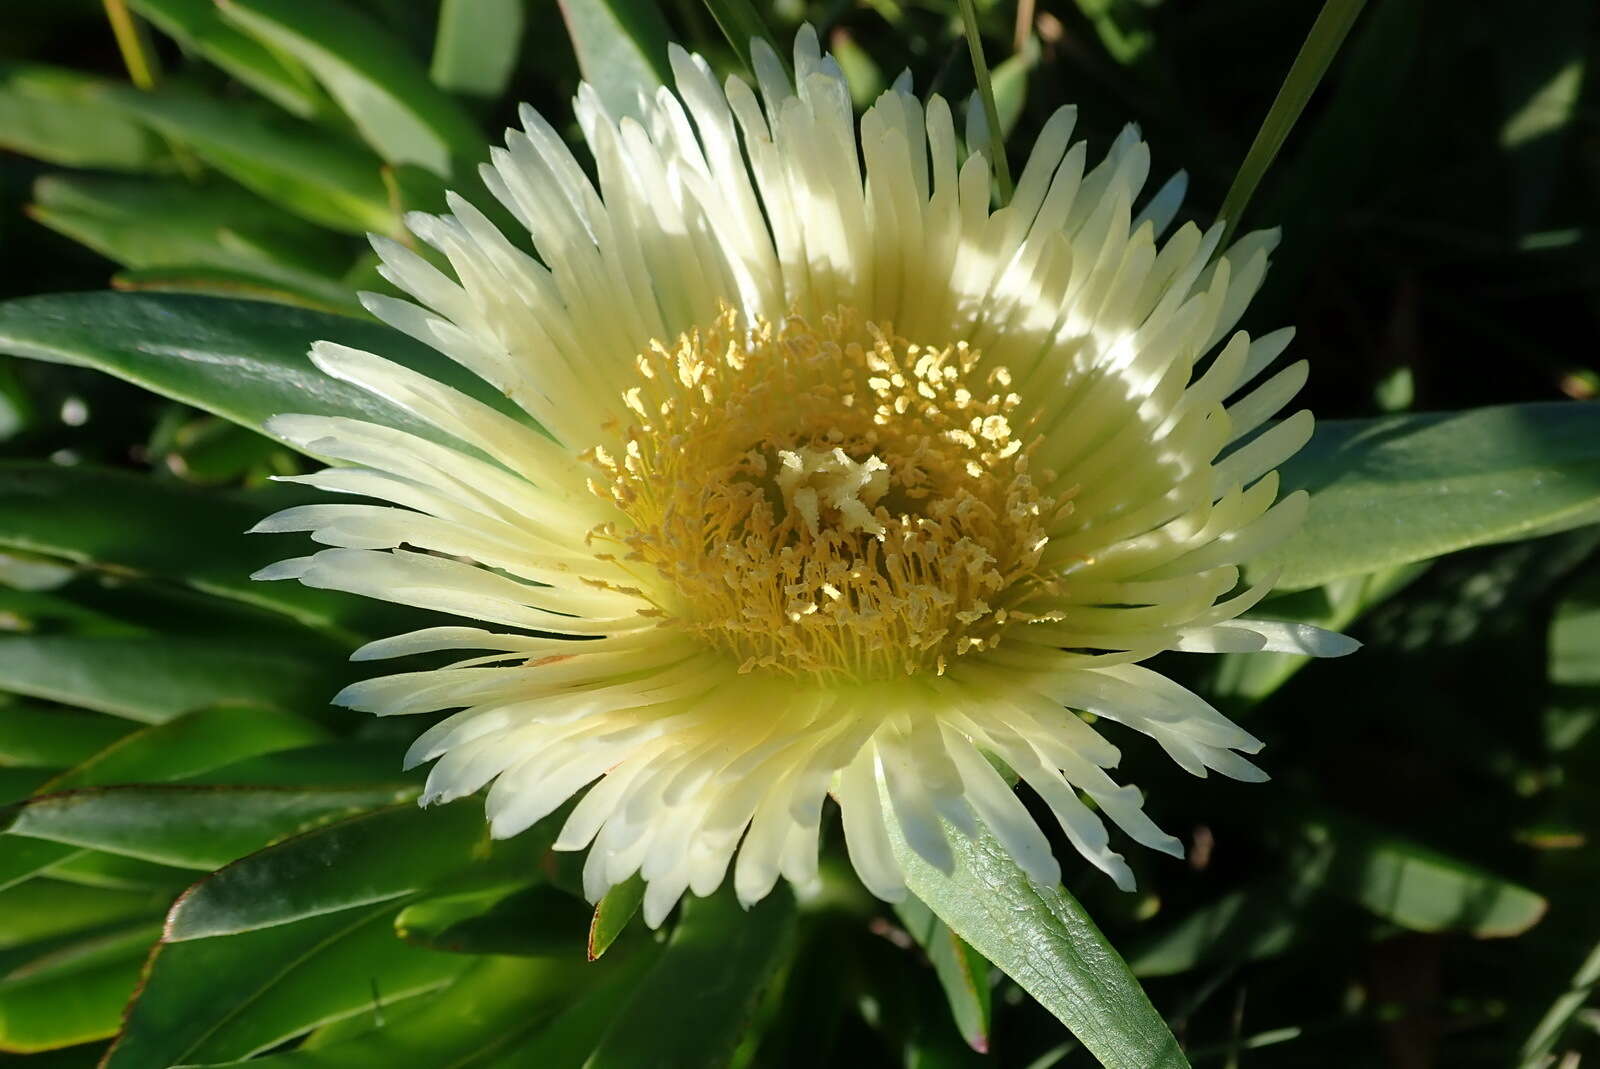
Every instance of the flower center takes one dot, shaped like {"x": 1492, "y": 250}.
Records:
{"x": 826, "y": 500}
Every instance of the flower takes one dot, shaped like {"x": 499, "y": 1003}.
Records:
{"x": 844, "y": 480}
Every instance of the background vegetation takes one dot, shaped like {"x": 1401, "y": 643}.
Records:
{"x": 1415, "y": 887}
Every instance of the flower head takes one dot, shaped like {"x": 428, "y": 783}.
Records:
{"x": 832, "y": 480}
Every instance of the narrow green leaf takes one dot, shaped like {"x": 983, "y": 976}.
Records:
{"x": 1254, "y": 922}
{"x": 962, "y": 971}
{"x": 45, "y": 910}
{"x": 1411, "y": 884}
{"x": 191, "y": 992}
{"x": 376, "y": 81}
{"x": 56, "y": 115}
{"x": 1536, "y": 1050}
{"x": 147, "y": 222}
{"x": 466, "y": 1024}
{"x": 242, "y": 360}
{"x": 345, "y": 763}
{"x": 476, "y": 46}
{"x": 567, "y": 1038}
{"x": 188, "y": 827}
{"x": 1011, "y": 85}
{"x": 191, "y": 744}
{"x": 28, "y": 611}
{"x": 621, "y": 47}
{"x": 197, "y": 26}
{"x": 741, "y": 23}
{"x": 74, "y": 995}
{"x": 1124, "y": 29}
{"x": 1391, "y": 491}
{"x": 612, "y": 915}
{"x": 180, "y": 748}
{"x": 378, "y": 857}
{"x": 980, "y": 70}
{"x": 303, "y": 168}
{"x": 1042, "y": 938}
{"x": 250, "y": 285}
{"x": 15, "y": 785}
{"x": 1321, "y": 45}
{"x": 1542, "y": 72}
{"x": 693, "y": 1005}
{"x": 135, "y": 525}
{"x": 536, "y": 920}
{"x": 153, "y": 679}
{"x": 343, "y": 977}
{"x": 94, "y": 868}
{"x": 1572, "y": 713}
{"x": 42, "y": 735}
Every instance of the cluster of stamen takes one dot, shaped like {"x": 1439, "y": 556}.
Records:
{"x": 825, "y": 500}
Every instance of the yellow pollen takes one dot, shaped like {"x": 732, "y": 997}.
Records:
{"x": 827, "y": 500}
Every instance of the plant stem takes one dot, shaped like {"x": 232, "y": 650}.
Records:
{"x": 980, "y": 69}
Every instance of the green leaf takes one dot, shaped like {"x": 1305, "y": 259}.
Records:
{"x": 613, "y": 913}
{"x": 1391, "y": 491}
{"x": 693, "y": 1005}
{"x": 567, "y": 1039}
{"x": 243, "y": 284}
{"x": 174, "y": 750}
{"x": 73, "y": 995}
{"x": 197, "y": 742}
{"x": 374, "y": 858}
{"x": 536, "y": 920}
{"x": 343, "y": 763}
{"x": 153, "y": 679}
{"x": 148, "y": 223}
{"x": 344, "y": 976}
{"x": 474, "y": 1018}
{"x": 962, "y": 971}
{"x": 1412, "y": 885}
{"x": 996, "y": 149}
{"x": 1243, "y": 925}
{"x": 93, "y": 868}
{"x": 1011, "y": 84}
{"x": 197, "y": 26}
{"x": 476, "y": 45}
{"x": 1312, "y": 62}
{"x": 1123, "y": 28}
{"x": 208, "y": 992}
{"x": 1573, "y": 712}
{"x": 303, "y": 168}
{"x": 242, "y": 360}
{"x": 188, "y": 826}
{"x": 1536, "y": 1050}
{"x": 132, "y": 524}
{"x": 621, "y": 47}
{"x": 1042, "y": 938}
{"x": 56, "y": 115}
{"x": 15, "y": 785}
{"x": 375, "y": 80}
{"x": 48, "y": 909}
{"x": 40, "y": 735}
{"x": 741, "y": 23}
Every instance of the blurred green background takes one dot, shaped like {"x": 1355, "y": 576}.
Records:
{"x": 1419, "y": 885}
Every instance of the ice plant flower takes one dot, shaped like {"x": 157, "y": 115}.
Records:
{"x": 823, "y": 477}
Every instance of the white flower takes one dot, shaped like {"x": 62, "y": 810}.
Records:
{"x": 845, "y": 479}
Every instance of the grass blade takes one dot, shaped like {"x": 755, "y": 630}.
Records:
{"x": 1322, "y": 44}
{"x": 980, "y": 70}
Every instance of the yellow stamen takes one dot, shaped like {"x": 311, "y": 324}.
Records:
{"x": 830, "y": 501}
